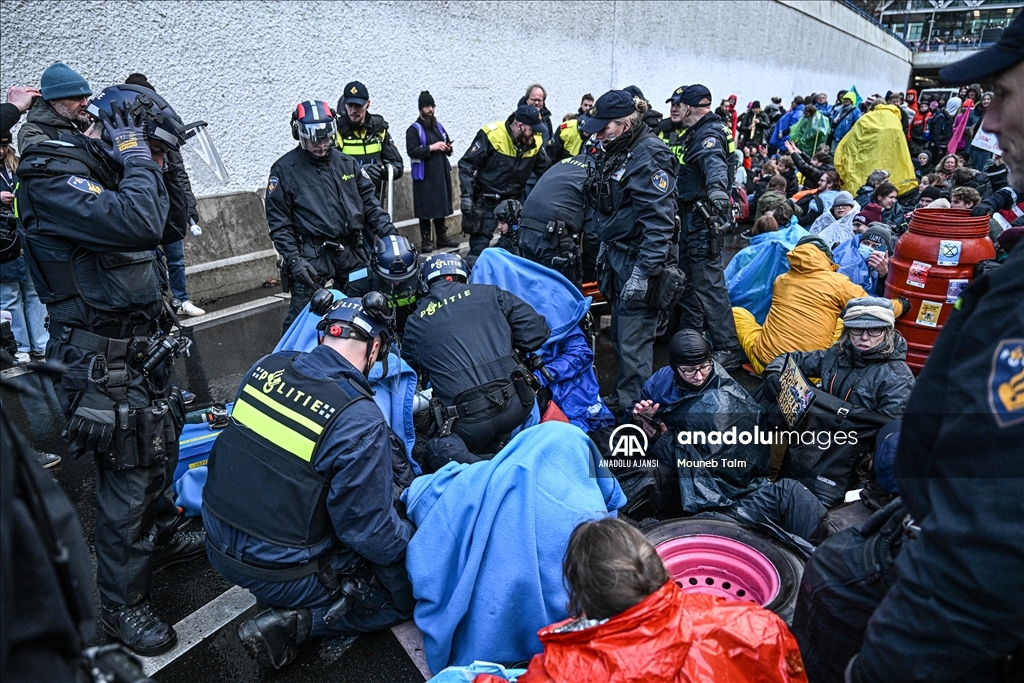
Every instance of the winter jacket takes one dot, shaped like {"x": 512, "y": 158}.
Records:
{"x": 806, "y": 303}
{"x": 844, "y": 120}
{"x": 370, "y": 144}
{"x": 853, "y": 265}
{"x": 781, "y": 132}
{"x": 753, "y": 127}
{"x": 940, "y": 130}
{"x": 432, "y": 196}
{"x": 42, "y": 123}
{"x": 873, "y": 381}
{"x": 671, "y": 637}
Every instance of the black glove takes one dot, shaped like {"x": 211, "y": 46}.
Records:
{"x": 772, "y": 385}
{"x": 374, "y": 172}
{"x": 467, "y": 205}
{"x": 905, "y": 302}
{"x": 635, "y": 288}
{"x": 92, "y": 425}
{"x": 127, "y": 135}
{"x": 723, "y": 205}
{"x": 303, "y": 273}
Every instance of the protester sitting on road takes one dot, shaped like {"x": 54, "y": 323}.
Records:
{"x": 774, "y": 196}
{"x": 806, "y": 304}
{"x": 787, "y": 169}
{"x": 928, "y": 195}
{"x": 630, "y": 622}
{"x": 945, "y": 168}
{"x": 864, "y": 258}
{"x": 964, "y": 198}
{"x": 814, "y": 203}
{"x": 885, "y": 196}
{"x": 836, "y": 225}
{"x": 968, "y": 177}
{"x": 876, "y": 178}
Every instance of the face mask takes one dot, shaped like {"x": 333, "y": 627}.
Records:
{"x": 865, "y": 251}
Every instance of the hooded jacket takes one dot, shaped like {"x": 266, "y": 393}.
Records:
{"x": 806, "y": 303}
{"x": 43, "y": 123}
{"x": 671, "y": 637}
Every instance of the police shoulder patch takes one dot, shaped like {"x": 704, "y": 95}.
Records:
{"x": 1006, "y": 383}
{"x": 85, "y": 185}
{"x": 660, "y": 180}
{"x": 709, "y": 143}
{"x": 272, "y": 184}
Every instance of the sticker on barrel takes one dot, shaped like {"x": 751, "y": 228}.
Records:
{"x": 917, "y": 276}
{"x": 955, "y": 289}
{"x": 949, "y": 253}
{"x": 928, "y": 315}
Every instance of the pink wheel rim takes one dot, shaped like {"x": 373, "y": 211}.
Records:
{"x": 720, "y": 566}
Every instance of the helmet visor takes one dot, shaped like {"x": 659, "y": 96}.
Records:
{"x": 202, "y": 154}
{"x": 317, "y": 132}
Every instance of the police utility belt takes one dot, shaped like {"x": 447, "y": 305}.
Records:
{"x": 565, "y": 235}
{"x": 482, "y": 402}
{"x": 666, "y": 281}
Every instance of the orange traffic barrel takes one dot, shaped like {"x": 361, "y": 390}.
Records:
{"x": 933, "y": 262}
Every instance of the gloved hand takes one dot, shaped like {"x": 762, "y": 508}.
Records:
{"x": 127, "y": 134}
{"x": 303, "y": 273}
{"x": 374, "y": 172}
{"x": 905, "y": 303}
{"x": 467, "y": 205}
{"x": 92, "y": 425}
{"x": 635, "y": 288}
{"x": 723, "y": 205}
{"x": 772, "y": 385}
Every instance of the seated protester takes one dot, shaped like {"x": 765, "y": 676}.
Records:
{"x": 928, "y": 195}
{"x": 294, "y": 511}
{"x": 997, "y": 173}
{"x": 809, "y": 167}
{"x": 968, "y": 177}
{"x": 806, "y": 304}
{"x": 775, "y": 195}
{"x": 757, "y": 185}
{"x": 692, "y": 397}
{"x": 817, "y": 202}
{"x": 864, "y": 194}
{"x": 630, "y": 622}
{"x": 854, "y": 222}
{"x": 885, "y": 195}
{"x": 867, "y": 369}
{"x": 751, "y": 272}
{"x": 787, "y": 169}
{"x": 945, "y": 168}
{"x": 864, "y": 258}
{"x": 394, "y": 271}
{"x": 465, "y": 337}
{"x": 923, "y": 164}
{"x": 506, "y": 214}
{"x": 964, "y": 198}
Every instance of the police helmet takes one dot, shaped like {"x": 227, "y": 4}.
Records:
{"x": 508, "y": 211}
{"x": 366, "y": 318}
{"x": 395, "y": 258}
{"x": 313, "y": 121}
{"x": 445, "y": 267}
{"x": 159, "y": 118}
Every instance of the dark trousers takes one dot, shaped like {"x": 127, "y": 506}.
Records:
{"x": 705, "y": 300}
{"x": 634, "y": 328}
{"x": 440, "y": 229}
{"x": 480, "y": 228}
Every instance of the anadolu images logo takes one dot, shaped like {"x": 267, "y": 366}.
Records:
{"x": 627, "y": 441}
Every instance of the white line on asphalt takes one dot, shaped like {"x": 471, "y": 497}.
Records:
{"x": 233, "y": 310}
{"x": 201, "y": 624}
{"x": 411, "y": 639}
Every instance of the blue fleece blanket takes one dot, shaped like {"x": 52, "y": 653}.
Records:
{"x": 393, "y": 394}
{"x": 750, "y": 285}
{"x": 486, "y": 559}
{"x": 566, "y": 353}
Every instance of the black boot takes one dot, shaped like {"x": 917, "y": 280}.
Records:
{"x": 445, "y": 242}
{"x": 730, "y": 359}
{"x": 183, "y": 547}
{"x": 272, "y": 637}
{"x": 139, "y": 629}
{"x": 426, "y": 246}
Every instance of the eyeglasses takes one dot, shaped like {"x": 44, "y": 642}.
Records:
{"x": 873, "y": 332}
{"x": 691, "y": 370}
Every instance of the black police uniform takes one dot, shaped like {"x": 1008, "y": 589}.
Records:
{"x": 299, "y": 500}
{"x": 632, "y": 197}
{"x": 463, "y": 336}
{"x": 89, "y": 230}
{"x": 369, "y": 144}
{"x": 493, "y": 169}
{"x": 403, "y": 297}
{"x": 553, "y": 218}
{"x": 324, "y": 210}
{"x": 706, "y": 169}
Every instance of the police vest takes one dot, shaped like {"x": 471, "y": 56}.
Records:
{"x": 107, "y": 280}
{"x": 672, "y": 138}
{"x": 497, "y": 134}
{"x": 363, "y": 142}
{"x": 261, "y": 478}
{"x": 569, "y": 134}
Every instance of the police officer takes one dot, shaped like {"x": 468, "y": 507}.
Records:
{"x": 671, "y": 130}
{"x": 705, "y": 179}
{"x": 553, "y": 218}
{"x": 299, "y": 501}
{"x": 321, "y": 209}
{"x": 496, "y": 167}
{"x": 92, "y": 209}
{"x": 465, "y": 337}
{"x": 394, "y": 271}
{"x": 365, "y": 137}
{"x": 567, "y": 140}
{"x": 630, "y": 191}
{"x": 652, "y": 117}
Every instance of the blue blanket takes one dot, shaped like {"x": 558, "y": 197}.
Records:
{"x": 750, "y": 285}
{"x": 486, "y": 559}
{"x": 851, "y": 264}
{"x": 566, "y": 352}
{"x": 393, "y": 394}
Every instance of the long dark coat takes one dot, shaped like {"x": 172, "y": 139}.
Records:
{"x": 432, "y": 196}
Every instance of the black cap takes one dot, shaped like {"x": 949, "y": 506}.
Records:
{"x": 931, "y": 192}
{"x": 694, "y": 96}
{"x": 528, "y": 115}
{"x": 1001, "y": 56}
{"x": 612, "y": 105}
{"x": 676, "y": 94}
{"x": 355, "y": 93}
{"x": 635, "y": 92}
{"x": 688, "y": 347}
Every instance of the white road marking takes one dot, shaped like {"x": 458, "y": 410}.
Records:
{"x": 233, "y": 310}
{"x": 411, "y": 639}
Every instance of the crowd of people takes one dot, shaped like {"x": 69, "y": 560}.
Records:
{"x": 315, "y": 501}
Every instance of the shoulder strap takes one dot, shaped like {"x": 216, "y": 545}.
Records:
{"x": 50, "y": 130}
{"x": 60, "y": 157}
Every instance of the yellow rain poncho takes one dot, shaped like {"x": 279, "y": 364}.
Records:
{"x": 877, "y": 141}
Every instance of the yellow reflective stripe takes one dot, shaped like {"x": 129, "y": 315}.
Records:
{"x": 358, "y": 147}
{"x": 284, "y": 410}
{"x": 502, "y": 143}
{"x": 571, "y": 139}
{"x": 274, "y": 432}
{"x": 16, "y": 186}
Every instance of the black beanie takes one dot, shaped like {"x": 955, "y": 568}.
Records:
{"x": 139, "y": 79}
{"x": 931, "y": 192}
{"x": 688, "y": 347}
{"x": 426, "y": 99}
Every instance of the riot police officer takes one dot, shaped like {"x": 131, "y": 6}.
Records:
{"x": 322, "y": 543}
{"x": 553, "y": 217}
{"x": 706, "y": 210}
{"x": 496, "y": 167}
{"x": 466, "y": 338}
{"x": 321, "y": 209}
{"x": 394, "y": 271}
{"x": 365, "y": 137}
{"x": 630, "y": 191}
{"x": 92, "y": 209}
